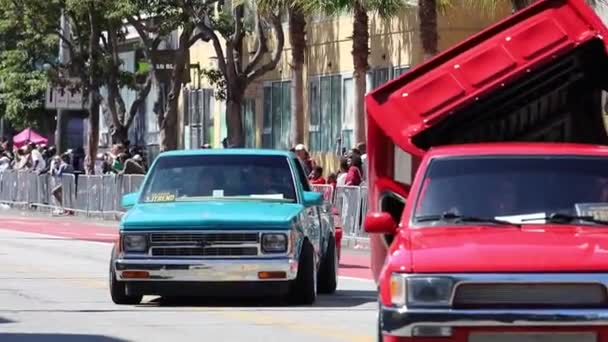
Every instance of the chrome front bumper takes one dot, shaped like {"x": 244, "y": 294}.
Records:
{"x": 404, "y": 322}
{"x": 205, "y": 270}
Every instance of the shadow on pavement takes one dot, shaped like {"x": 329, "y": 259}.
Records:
{"x": 4, "y": 320}
{"x": 351, "y": 266}
{"x": 56, "y": 338}
{"x": 338, "y": 300}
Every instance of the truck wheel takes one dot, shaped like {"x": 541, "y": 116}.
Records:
{"x": 328, "y": 274}
{"x": 118, "y": 290}
{"x": 304, "y": 289}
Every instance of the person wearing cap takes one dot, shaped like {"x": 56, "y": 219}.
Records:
{"x": 304, "y": 157}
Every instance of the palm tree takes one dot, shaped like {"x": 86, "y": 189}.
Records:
{"x": 297, "y": 39}
{"x": 360, "y": 52}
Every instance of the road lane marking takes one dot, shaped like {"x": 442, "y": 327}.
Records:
{"x": 307, "y": 328}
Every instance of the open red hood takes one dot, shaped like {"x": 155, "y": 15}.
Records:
{"x": 526, "y": 78}
{"x": 505, "y": 249}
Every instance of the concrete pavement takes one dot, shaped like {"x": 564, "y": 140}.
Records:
{"x": 54, "y": 288}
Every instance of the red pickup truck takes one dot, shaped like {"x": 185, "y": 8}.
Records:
{"x": 502, "y": 234}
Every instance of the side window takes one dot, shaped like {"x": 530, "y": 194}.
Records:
{"x": 301, "y": 174}
{"x": 394, "y": 205}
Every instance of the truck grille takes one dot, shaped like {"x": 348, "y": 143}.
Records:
{"x": 232, "y": 244}
{"x": 530, "y": 296}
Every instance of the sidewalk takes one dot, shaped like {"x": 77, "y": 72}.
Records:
{"x": 353, "y": 262}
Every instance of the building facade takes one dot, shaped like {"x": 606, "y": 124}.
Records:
{"x": 395, "y": 47}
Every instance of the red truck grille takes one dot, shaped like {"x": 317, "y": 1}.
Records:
{"x": 530, "y": 296}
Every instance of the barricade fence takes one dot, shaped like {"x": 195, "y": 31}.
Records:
{"x": 91, "y": 195}
{"x": 351, "y": 203}
{"x": 101, "y": 195}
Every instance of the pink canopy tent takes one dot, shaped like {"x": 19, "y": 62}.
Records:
{"x": 26, "y": 136}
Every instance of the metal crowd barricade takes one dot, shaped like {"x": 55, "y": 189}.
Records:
{"x": 94, "y": 195}
{"x": 347, "y": 201}
{"x": 326, "y": 190}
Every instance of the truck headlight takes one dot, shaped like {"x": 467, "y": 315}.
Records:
{"x": 135, "y": 243}
{"x": 429, "y": 291}
{"x": 274, "y": 243}
{"x": 398, "y": 289}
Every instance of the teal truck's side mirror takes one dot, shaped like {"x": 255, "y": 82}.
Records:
{"x": 129, "y": 200}
{"x": 311, "y": 198}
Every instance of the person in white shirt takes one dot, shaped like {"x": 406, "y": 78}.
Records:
{"x": 341, "y": 181}
{"x": 38, "y": 162}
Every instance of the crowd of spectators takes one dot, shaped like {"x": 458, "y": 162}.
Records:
{"x": 122, "y": 159}
{"x": 349, "y": 173}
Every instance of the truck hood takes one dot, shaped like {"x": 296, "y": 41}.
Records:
{"x": 538, "y": 248}
{"x": 509, "y": 82}
{"x": 211, "y": 215}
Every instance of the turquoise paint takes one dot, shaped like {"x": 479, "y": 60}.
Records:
{"x": 228, "y": 152}
{"x": 221, "y": 213}
{"x": 211, "y": 215}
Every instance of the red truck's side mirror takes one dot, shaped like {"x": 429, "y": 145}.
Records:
{"x": 379, "y": 223}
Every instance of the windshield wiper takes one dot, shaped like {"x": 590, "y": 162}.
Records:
{"x": 560, "y": 218}
{"x": 449, "y": 216}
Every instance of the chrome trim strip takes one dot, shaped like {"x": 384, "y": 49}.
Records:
{"x": 206, "y": 270}
{"x": 397, "y": 322}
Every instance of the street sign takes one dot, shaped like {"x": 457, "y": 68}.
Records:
{"x": 63, "y": 98}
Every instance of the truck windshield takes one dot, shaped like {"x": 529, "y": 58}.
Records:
{"x": 191, "y": 178}
{"x": 521, "y": 189}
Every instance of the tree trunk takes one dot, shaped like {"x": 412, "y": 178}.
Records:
{"x": 360, "y": 55}
{"x": 519, "y": 4}
{"x": 297, "y": 38}
{"x": 120, "y": 134}
{"x": 94, "y": 97}
{"x": 168, "y": 136}
{"x": 427, "y": 15}
{"x": 234, "y": 119}
{"x": 92, "y": 132}
{"x": 168, "y": 123}
{"x": 167, "y": 117}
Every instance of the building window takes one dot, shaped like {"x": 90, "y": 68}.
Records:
{"x": 325, "y": 103}
{"x": 249, "y": 122}
{"x": 348, "y": 114}
{"x": 199, "y": 117}
{"x": 277, "y": 115}
{"x": 379, "y": 76}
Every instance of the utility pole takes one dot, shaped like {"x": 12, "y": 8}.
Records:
{"x": 64, "y": 59}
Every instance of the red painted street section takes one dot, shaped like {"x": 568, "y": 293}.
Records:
{"x": 351, "y": 265}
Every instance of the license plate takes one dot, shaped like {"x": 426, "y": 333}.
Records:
{"x": 533, "y": 337}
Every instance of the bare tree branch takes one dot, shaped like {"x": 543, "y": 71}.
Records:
{"x": 276, "y": 56}
{"x": 239, "y": 35}
{"x": 195, "y": 38}
{"x": 262, "y": 48}
{"x": 201, "y": 24}
{"x": 141, "y": 97}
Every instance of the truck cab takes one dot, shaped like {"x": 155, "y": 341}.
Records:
{"x": 530, "y": 86}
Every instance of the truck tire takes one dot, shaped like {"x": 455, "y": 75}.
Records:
{"x": 328, "y": 273}
{"x": 304, "y": 289}
{"x": 118, "y": 289}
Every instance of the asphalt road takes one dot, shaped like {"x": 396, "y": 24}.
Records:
{"x": 55, "y": 289}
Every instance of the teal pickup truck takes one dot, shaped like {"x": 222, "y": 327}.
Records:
{"x": 225, "y": 222}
